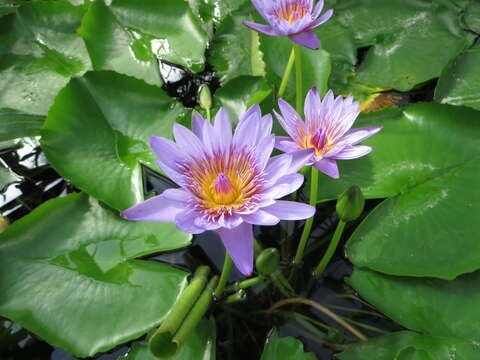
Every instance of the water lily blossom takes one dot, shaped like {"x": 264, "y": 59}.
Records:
{"x": 327, "y": 130}
{"x": 293, "y": 18}
{"x": 227, "y": 182}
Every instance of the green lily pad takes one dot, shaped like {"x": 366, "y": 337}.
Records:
{"x": 16, "y": 124}
{"x": 471, "y": 16}
{"x": 236, "y": 48}
{"x": 6, "y": 177}
{"x": 284, "y": 349}
{"x": 460, "y": 83}
{"x": 113, "y": 46}
{"x": 39, "y": 52}
{"x": 426, "y": 160}
{"x": 199, "y": 345}
{"x": 96, "y": 134}
{"x": 68, "y": 275}
{"x": 433, "y": 306}
{"x": 404, "y": 35}
{"x": 406, "y": 345}
{"x": 241, "y": 93}
{"x": 169, "y": 30}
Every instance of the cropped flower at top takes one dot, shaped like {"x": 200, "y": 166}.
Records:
{"x": 293, "y": 18}
{"x": 326, "y": 130}
{"x": 227, "y": 182}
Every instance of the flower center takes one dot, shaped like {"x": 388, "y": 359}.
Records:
{"x": 318, "y": 141}
{"x": 291, "y": 11}
{"x": 222, "y": 190}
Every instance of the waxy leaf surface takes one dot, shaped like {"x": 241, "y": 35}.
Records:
{"x": 286, "y": 348}
{"x": 433, "y": 306}
{"x": 68, "y": 275}
{"x": 406, "y": 345}
{"x": 426, "y": 160}
{"x": 96, "y": 134}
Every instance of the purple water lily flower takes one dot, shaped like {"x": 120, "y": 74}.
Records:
{"x": 227, "y": 182}
{"x": 327, "y": 130}
{"x": 293, "y": 18}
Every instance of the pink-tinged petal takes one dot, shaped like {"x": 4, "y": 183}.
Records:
{"x": 188, "y": 141}
{"x": 328, "y": 166}
{"x": 290, "y": 120}
{"x": 306, "y": 38}
{"x": 222, "y": 129}
{"x": 154, "y": 209}
{"x": 301, "y": 158}
{"x": 312, "y": 107}
{"x": 239, "y": 244}
{"x": 264, "y": 150}
{"x": 185, "y": 221}
{"x": 353, "y": 152}
{"x": 318, "y": 9}
{"x": 264, "y": 29}
{"x": 261, "y": 217}
{"x": 290, "y": 210}
{"x": 286, "y": 144}
{"x": 284, "y": 186}
{"x": 321, "y": 20}
{"x": 167, "y": 151}
{"x": 357, "y": 135}
{"x": 176, "y": 195}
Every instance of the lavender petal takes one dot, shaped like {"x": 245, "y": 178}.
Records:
{"x": 239, "y": 244}
{"x": 290, "y": 210}
{"x": 306, "y": 38}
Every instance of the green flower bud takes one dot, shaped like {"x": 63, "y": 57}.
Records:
{"x": 268, "y": 261}
{"x": 4, "y": 223}
{"x": 350, "y": 204}
{"x": 205, "y": 97}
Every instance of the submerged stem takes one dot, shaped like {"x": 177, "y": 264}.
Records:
{"x": 322, "y": 309}
{"x": 308, "y": 225}
{"x": 331, "y": 249}
{"x": 286, "y": 74}
{"x": 227, "y": 267}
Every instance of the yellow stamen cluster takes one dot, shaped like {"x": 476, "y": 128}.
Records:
{"x": 291, "y": 12}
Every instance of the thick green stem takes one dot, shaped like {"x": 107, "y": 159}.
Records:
{"x": 209, "y": 116}
{"x": 298, "y": 78}
{"x": 174, "y": 319}
{"x": 286, "y": 74}
{"x": 331, "y": 249}
{"x": 227, "y": 267}
{"x": 196, "y": 314}
{"x": 309, "y": 222}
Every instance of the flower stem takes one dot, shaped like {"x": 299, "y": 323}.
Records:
{"x": 322, "y": 309}
{"x": 331, "y": 249}
{"x": 286, "y": 74}
{"x": 227, "y": 267}
{"x": 298, "y": 78}
{"x": 196, "y": 314}
{"x": 209, "y": 116}
{"x": 308, "y": 224}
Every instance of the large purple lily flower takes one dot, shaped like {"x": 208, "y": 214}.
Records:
{"x": 227, "y": 182}
{"x": 293, "y": 18}
{"x": 327, "y": 130}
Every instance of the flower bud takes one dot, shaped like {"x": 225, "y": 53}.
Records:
{"x": 205, "y": 97}
{"x": 4, "y": 223}
{"x": 350, "y": 204}
{"x": 268, "y": 261}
